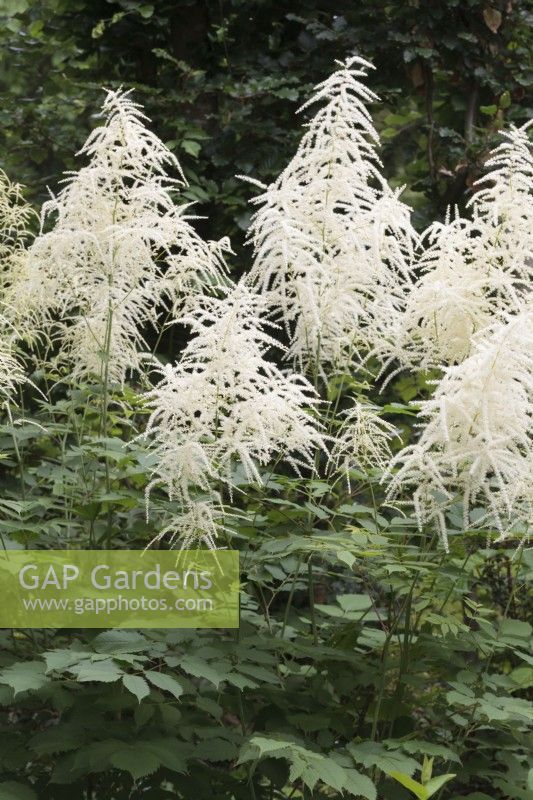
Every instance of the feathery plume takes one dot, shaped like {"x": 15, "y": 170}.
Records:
{"x": 15, "y": 216}
{"x": 119, "y": 249}
{"x": 224, "y": 403}
{"x": 471, "y": 271}
{"x": 477, "y": 441}
{"x": 363, "y": 440}
{"x": 330, "y": 236}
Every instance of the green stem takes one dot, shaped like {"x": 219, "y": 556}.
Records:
{"x": 20, "y": 462}
{"x": 312, "y": 600}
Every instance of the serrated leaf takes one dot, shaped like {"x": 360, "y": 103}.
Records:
{"x": 201, "y": 669}
{"x": 216, "y": 750}
{"x": 308, "y": 766}
{"x": 165, "y": 682}
{"x": 105, "y": 671}
{"x": 413, "y": 746}
{"x": 58, "y": 739}
{"x": 120, "y": 641}
{"x": 136, "y": 685}
{"x": 136, "y": 760}
{"x": 172, "y": 753}
{"x": 24, "y": 676}
{"x": 375, "y": 754}
{"x": 59, "y": 660}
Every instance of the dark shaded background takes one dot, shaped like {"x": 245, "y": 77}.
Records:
{"x": 222, "y": 79}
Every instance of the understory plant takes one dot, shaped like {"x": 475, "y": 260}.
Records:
{"x": 354, "y": 416}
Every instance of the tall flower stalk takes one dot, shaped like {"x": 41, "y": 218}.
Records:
{"x": 472, "y": 271}
{"x": 119, "y": 250}
{"x": 224, "y": 406}
{"x": 15, "y": 218}
{"x": 477, "y": 441}
{"x": 330, "y": 237}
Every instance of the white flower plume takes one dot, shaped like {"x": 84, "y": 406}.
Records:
{"x": 225, "y": 405}
{"x": 472, "y": 271}
{"x": 119, "y": 249}
{"x": 11, "y": 372}
{"x": 330, "y": 237}
{"x": 200, "y": 523}
{"x": 15, "y": 216}
{"x": 505, "y": 204}
{"x": 478, "y": 438}
{"x": 363, "y": 440}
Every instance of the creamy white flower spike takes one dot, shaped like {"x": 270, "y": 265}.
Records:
{"x": 224, "y": 405}
{"x": 11, "y": 372}
{"x": 363, "y": 440}
{"x": 330, "y": 236}
{"x": 119, "y": 249}
{"x": 15, "y": 216}
{"x": 477, "y": 442}
{"x": 505, "y": 205}
{"x": 201, "y": 523}
{"x": 471, "y": 271}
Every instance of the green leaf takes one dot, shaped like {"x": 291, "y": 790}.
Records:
{"x": 354, "y": 602}
{"x": 105, "y": 671}
{"x": 412, "y": 746}
{"x": 505, "y": 100}
{"x": 146, "y": 11}
{"x": 191, "y": 147}
{"x": 137, "y": 760}
{"x": 308, "y": 766}
{"x": 200, "y": 669}
{"x": 24, "y": 676}
{"x": 16, "y": 6}
{"x": 144, "y": 757}
{"x": 172, "y": 753}
{"x": 57, "y": 739}
{"x": 422, "y": 791}
{"x": 120, "y": 641}
{"x": 375, "y": 754}
{"x": 136, "y": 685}
{"x": 416, "y": 788}
{"x": 59, "y": 660}
{"x": 165, "y": 682}
{"x": 216, "y": 750}
{"x": 98, "y": 29}
{"x": 436, "y": 783}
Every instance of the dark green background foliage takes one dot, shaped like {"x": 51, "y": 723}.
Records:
{"x": 222, "y": 80}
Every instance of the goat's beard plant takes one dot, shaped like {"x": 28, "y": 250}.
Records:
{"x": 15, "y": 217}
{"x": 331, "y": 239}
{"x": 472, "y": 271}
{"x": 469, "y": 316}
{"x": 342, "y": 599}
{"x": 335, "y": 261}
{"x": 225, "y": 406}
{"x": 119, "y": 251}
{"x": 477, "y": 436}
